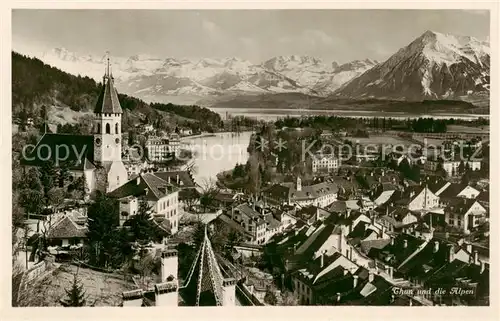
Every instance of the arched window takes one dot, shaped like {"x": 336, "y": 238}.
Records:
{"x": 116, "y": 128}
{"x": 108, "y": 129}
{"x": 98, "y": 128}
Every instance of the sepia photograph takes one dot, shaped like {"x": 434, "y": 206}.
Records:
{"x": 272, "y": 157}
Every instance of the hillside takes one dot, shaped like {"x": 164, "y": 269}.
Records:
{"x": 70, "y": 99}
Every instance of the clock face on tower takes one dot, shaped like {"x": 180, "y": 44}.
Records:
{"x": 98, "y": 141}
{"x": 117, "y": 141}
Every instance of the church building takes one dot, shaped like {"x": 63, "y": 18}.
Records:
{"x": 97, "y": 157}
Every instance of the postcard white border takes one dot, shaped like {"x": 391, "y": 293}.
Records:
{"x": 240, "y": 313}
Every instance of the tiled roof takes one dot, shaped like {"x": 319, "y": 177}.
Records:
{"x": 366, "y": 246}
{"x": 51, "y": 146}
{"x": 146, "y": 184}
{"x": 459, "y": 205}
{"x": 426, "y": 260}
{"x": 108, "y": 102}
{"x": 66, "y": 228}
{"x": 245, "y": 209}
{"x": 307, "y": 192}
{"x": 395, "y": 253}
{"x": 185, "y": 178}
{"x": 453, "y": 190}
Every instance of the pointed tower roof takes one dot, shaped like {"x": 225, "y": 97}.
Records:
{"x": 205, "y": 282}
{"x": 108, "y": 102}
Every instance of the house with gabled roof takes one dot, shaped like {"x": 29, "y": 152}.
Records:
{"x": 318, "y": 194}
{"x": 161, "y": 195}
{"x": 464, "y": 214}
{"x": 67, "y": 232}
{"x": 459, "y": 190}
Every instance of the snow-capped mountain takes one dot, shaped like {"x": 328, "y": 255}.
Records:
{"x": 433, "y": 66}
{"x": 313, "y": 73}
{"x": 305, "y": 70}
{"x": 342, "y": 74}
{"x": 209, "y": 76}
{"x": 149, "y": 76}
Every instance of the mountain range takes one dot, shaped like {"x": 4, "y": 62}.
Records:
{"x": 433, "y": 66}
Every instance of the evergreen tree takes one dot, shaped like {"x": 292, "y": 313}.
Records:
{"x": 142, "y": 226}
{"x": 103, "y": 221}
{"x": 48, "y": 177}
{"x": 75, "y": 295}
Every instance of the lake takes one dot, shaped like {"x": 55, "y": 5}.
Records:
{"x": 273, "y": 114}
{"x": 216, "y": 153}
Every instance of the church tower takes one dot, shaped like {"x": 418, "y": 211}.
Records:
{"x": 108, "y": 133}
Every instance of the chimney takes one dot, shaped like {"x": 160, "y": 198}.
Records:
{"x": 338, "y": 297}
{"x": 405, "y": 244}
{"x": 177, "y": 179}
{"x": 482, "y": 265}
{"x": 138, "y": 180}
{"x": 476, "y": 257}
{"x": 299, "y": 184}
{"x": 370, "y": 276}
{"x": 383, "y": 173}
{"x": 436, "y": 247}
{"x": 355, "y": 281}
{"x": 322, "y": 259}
{"x": 451, "y": 252}
{"x": 469, "y": 247}
{"x": 392, "y": 241}
{"x": 146, "y": 191}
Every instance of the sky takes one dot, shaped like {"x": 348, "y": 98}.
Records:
{"x": 255, "y": 35}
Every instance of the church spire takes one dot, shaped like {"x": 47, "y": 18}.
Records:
{"x": 107, "y": 73}
{"x": 107, "y": 102}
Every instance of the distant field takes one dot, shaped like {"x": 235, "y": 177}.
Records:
{"x": 380, "y": 139}
{"x": 467, "y": 129}
{"x": 431, "y": 141}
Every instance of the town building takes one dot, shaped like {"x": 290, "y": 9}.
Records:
{"x": 161, "y": 149}
{"x": 319, "y": 194}
{"x": 161, "y": 196}
{"x": 96, "y": 157}
{"x": 325, "y": 163}
{"x": 464, "y": 214}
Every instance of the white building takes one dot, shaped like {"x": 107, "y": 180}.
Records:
{"x": 162, "y": 149}
{"x": 318, "y": 194}
{"x": 162, "y": 197}
{"x": 325, "y": 163}
{"x": 464, "y": 214}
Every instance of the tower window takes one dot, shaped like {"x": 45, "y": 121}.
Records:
{"x": 98, "y": 128}
{"x": 116, "y": 128}
{"x": 108, "y": 129}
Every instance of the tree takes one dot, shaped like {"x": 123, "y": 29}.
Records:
{"x": 55, "y": 197}
{"x": 270, "y": 297}
{"x": 405, "y": 168}
{"x": 103, "y": 220}
{"x": 415, "y": 173}
{"x": 142, "y": 226}
{"x": 48, "y": 177}
{"x": 461, "y": 167}
{"x": 63, "y": 174}
{"x": 145, "y": 266}
{"x": 75, "y": 295}
{"x": 209, "y": 192}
